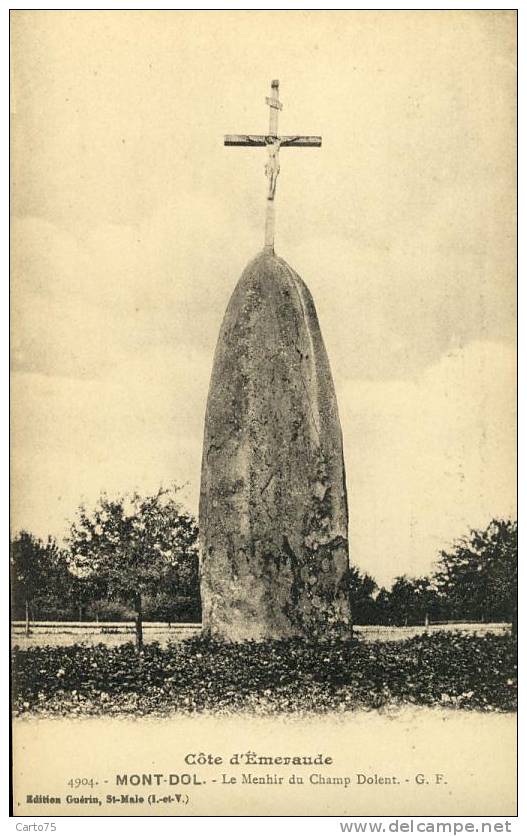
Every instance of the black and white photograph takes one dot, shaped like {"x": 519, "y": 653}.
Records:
{"x": 263, "y": 544}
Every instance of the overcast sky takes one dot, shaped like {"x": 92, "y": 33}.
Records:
{"x": 132, "y": 223}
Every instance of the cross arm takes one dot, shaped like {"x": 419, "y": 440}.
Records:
{"x": 254, "y": 140}
{"x": 300, "y": 141}
{"x": 245, "y": 139}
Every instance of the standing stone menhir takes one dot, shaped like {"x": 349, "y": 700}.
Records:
{"x": 273, "y": 509}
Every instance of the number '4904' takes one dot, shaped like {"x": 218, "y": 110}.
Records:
{"x": 74, "y": 783}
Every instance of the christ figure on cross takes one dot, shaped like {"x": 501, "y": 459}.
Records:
{"x": 273, "y": 142}
{"x": 272, "y": 167}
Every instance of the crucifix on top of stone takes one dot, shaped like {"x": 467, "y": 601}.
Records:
{"x": 273, "y": 142}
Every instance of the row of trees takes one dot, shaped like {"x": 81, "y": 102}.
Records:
{"x": 129, "y": 557}
{"x": 476, "y": 580}
{"x": 137, "y": 557}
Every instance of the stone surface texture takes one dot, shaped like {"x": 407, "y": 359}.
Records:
{"x": 273, "y": 508}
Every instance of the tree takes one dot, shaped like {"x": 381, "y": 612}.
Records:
{"x": 383, "y": 610}
{"x": 85, "y": 591}
{"x": 478, "y": 578}
{"x": 39, "y": 575}
{"x": 425, "y": 600}
{"x": 402, "y": 600}
{"x": 361, "y": 589}
{"x": 410, "y": 600}
{"x": 131, "y": 543}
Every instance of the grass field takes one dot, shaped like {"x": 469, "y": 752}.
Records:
{"x": 92, "y": 634}
{"x": 63, "y": 635}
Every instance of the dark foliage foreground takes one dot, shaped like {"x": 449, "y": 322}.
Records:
{"x": 447, "y": 669}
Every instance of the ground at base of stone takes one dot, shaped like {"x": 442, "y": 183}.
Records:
{"x": 451, "y": 670}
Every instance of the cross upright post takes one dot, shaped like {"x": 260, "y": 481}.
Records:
{"x": 273, "y": 142}
{"x": 274, "y": 107}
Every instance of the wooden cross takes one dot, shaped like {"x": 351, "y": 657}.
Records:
{"x": 273, "y": 142}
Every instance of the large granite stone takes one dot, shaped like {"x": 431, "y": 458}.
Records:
{"x": 273, "y": 511}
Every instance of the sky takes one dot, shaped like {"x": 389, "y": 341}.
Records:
{"x": 131, "y": 223}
